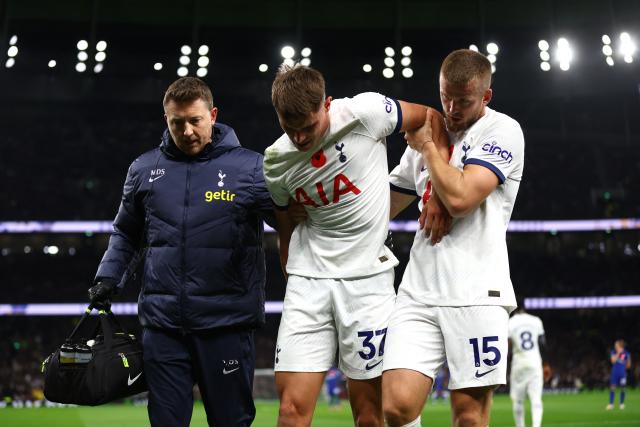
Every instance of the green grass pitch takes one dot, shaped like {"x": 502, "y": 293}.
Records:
{"x": 564, "y": 410}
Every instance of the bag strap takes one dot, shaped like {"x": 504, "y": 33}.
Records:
{"x": 82, "y": 320}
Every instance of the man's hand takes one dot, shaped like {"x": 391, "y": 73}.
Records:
{"x": 418, "y": 138}
{"x": 546, "y": 372}
{"x": 435, "y": 219}
{"x": 102, "y": 292}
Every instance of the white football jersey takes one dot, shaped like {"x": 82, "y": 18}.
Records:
{"x": 524, "y": 330}
{"x": 344, "y": 188}
{"x": 470, "y": 266}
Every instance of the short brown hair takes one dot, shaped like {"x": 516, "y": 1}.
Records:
{"x": 463, "y": 65}
{"x": 297, "y": 91}
{"x": 188, "y": 89}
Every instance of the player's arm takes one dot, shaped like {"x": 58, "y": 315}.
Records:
{"x": 399, "y": 202}
{"x": 434, "y": 219}
{"x": 628, "y": 361}
{"x": 461, "y": 191}
{"x": 414, "y": 116}
{"x": 285, "y": 230}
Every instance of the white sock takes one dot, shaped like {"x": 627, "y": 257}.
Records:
{"x": 518, "y": 413}
{"x": 414, "y": 423}
{"x": 536, "y": 413}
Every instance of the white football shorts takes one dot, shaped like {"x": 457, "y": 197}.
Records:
{"x": 472, "y": 339}
{"x": 526, "y": 381}
{"x": 324, "y": 316}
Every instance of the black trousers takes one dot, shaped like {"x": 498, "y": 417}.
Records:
{"x": 221, "y": 363}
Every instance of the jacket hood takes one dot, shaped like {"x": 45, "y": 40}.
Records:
{"x": 223, "y": 139}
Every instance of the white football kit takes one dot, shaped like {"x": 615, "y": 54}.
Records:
{"x": 526, "y": 377}
{"x": 338, "y": 253}
{"x": 455, "y": 297}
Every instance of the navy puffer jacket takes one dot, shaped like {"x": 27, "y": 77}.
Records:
{"x": 200, "y": 222}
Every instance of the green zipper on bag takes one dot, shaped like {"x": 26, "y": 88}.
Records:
{"x": 44, "y": 364}
{"x": 125, "y": 362}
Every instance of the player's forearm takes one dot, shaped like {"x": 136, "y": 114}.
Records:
{"x": 447, "y": 181}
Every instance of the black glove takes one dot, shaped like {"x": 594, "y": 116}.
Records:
{"x": 389, "y": 241}
{"x": 101, "y": 293}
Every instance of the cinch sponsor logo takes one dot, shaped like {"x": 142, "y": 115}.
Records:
{"x": 224, "y": 195}
{"x": 495, "y": 149}
{"x": 388, "y": 105}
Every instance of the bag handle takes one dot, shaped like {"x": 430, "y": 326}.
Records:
{"x": 108, "y": 324}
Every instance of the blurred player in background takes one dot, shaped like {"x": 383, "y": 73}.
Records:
{"x": 333, "y": 160}
{"x": 333, "y": 387}
{"x": 620, "y": 361}
{"x": 526, "y": 336}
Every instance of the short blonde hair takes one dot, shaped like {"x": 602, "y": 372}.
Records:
{"x": 463, "y": 65}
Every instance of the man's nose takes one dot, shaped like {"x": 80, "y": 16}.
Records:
{"x": 188, "y": 130}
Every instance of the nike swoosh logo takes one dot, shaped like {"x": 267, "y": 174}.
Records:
{"x": 225, "y": 372}
{"x": 157, "y": 177}
{"x": 368, "y": 368}
{"x": 131, "y": 381}
{"x": 480, "y": 375}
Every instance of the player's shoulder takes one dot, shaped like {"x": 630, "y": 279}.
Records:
{"x": 146, "y": 160}
{"x": 500, "y": 121}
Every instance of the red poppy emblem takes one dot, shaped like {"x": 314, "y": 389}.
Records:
{"x": 318, "y": 159}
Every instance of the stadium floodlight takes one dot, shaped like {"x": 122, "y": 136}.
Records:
{"x": 406, "y": 61}
{"x": 263, "y": 68}
{"x": 98, "y": 68}
{"x": 288, "y": 61}
{"x": 492, "y": 58}
{"x": 543, "y": 45}
{"x": 545, "y": 66}
{"x": 407, "y": 73}
{"x": 287, "y": 52}
{"x": 203, "y": 50}
{"x": 184, "y": 60}
{"x": 544, "y": 55}
{"x": 83, "y": 56}
{"x": 157, "y": 66}
{"x": 493, "y": 68}
{"x": 389, "y": 51}
{"x": 183, "y": 71}
{"x": 12, "y": 51}
{"x": 185, "y": 50}
{"x": 203, "y": 61}
{"x": 607, "y": 50}
{"x": 564, "y": 54}
{"x": 492, "y": 48}
{"x": 305, "y": 52}
{"x": 388, "y": 73}
{"x": 52, "y": 63}
{"x": 406, "y": 51}
{"x": 305, "y": 61}
{"x": 366, "y": 68}
{"x": 101, "y": 46}
{"x": 627, "y": 47}
{"x": 13, "y": 40}
{"x": 474, "y": 48}
{"x": 10, "y": 62}
{"x": 81, "y": 67}
{"x": 606, "y": 39}
{"x": 610, "y": 61}
{"x": 389, "y": 62}
{"x": 82, "y": 45}
{"x": 201, "y": 72}
{"x": 27, "y": 249}
{"x": 101, "y": 56}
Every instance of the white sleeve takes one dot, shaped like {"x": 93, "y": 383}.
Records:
{"x": 403, "y": 177}
{"x": 279, "y": 193}
{"x": 381, "y": 116}
{"x": 540, "y": 328}
{"x": 501, "y": 150}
